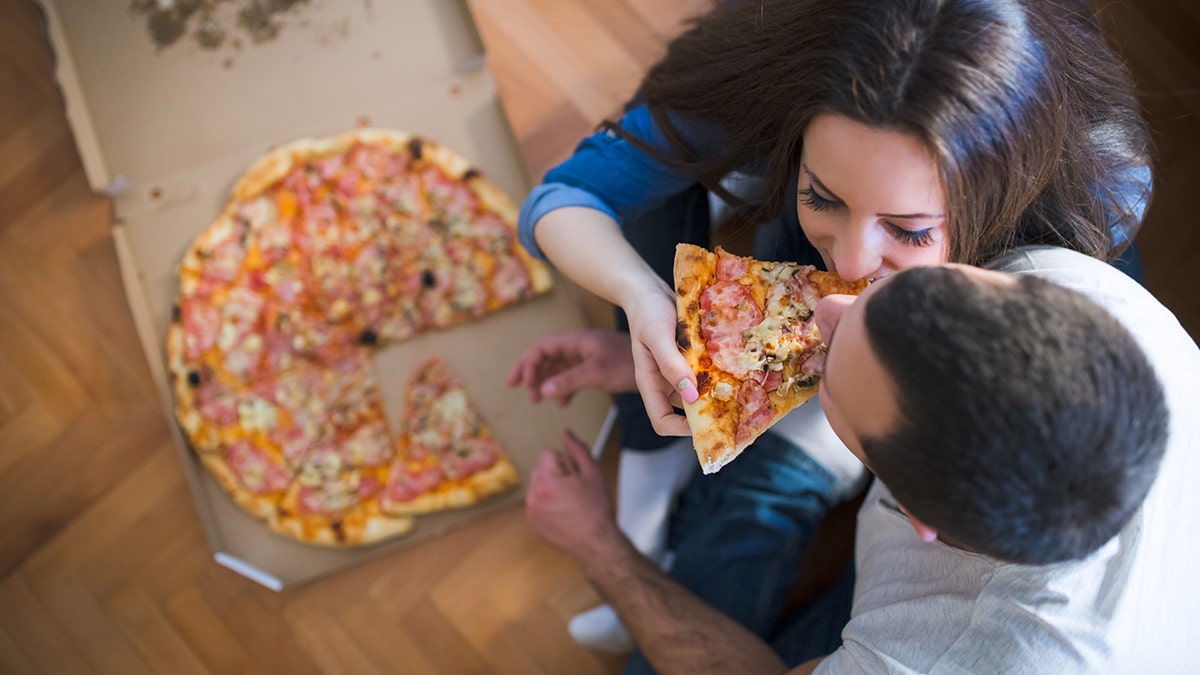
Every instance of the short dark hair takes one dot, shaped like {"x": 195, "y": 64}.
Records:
{"x": 1031, "y": 425}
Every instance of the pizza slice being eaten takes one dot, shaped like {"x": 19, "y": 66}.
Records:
{"x": 447, "y": 456}
{"x": 746, "y": 328}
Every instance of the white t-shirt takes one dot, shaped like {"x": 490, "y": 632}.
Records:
{"x": 1133, "y": 606}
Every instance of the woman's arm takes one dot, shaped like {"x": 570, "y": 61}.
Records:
{"x": 573, "y": 221}
{"x": 588, "y": 246}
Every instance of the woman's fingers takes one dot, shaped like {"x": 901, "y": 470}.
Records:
{"x": 657, "y": 394}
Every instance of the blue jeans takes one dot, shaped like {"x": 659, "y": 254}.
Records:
{"x": 738, "y": 536}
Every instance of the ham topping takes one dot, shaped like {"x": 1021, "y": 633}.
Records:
{"x": 254, "y": 469}
{"x": 405, "y": 485}
{"x": 756, "y": 411}
{"x": 727, "y": 311}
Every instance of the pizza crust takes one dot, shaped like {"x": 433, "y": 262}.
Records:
{"x": 357, "y": 526}
{"x": 261, "y": 506}
{"x": 709, "y": 417}
{"x": 467, "y": 492}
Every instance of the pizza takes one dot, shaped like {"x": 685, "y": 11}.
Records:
{"x": 326, "y": 250}
{"x": 746, "y": 328}
{"x": 447, "y": 456}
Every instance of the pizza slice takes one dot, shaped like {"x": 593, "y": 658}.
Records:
{"x": 345, "y": 452}
{"x": 447, "y": 456}
{"x": 746, "y": 328}
{"x": 335, "y": 502}
{"x": 475, "y": 264}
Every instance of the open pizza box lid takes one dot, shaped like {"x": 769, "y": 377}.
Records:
{"x": 166, "y": 129}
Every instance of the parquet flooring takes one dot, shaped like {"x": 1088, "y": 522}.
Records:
{"x": 103, "y": 563}
{"x": 104, "y": 566}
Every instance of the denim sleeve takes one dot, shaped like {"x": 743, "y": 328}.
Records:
{"x": 613, "y": 176}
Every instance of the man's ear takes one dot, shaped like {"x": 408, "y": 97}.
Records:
{"x": 925, "y": 532}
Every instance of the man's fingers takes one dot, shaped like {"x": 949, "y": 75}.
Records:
{"x": 546, "y": 350}
{"x": 547, "y": 461}
{"x": 561, "y": 386}
{"x": 580, "y": 454}
{"x": 517, "y": 375}
{"x": 566, "y": 463}
{"x": 525, "y": 372}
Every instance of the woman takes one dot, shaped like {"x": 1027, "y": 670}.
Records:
{"x": 878, "y": 136}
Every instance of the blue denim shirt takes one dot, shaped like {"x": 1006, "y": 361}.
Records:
{"x": 611, "y": 175}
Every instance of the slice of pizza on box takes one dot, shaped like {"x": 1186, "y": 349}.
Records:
{"x": 447, "y": 456}
{"x": 746, "y": 328}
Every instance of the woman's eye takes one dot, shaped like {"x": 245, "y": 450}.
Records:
{"x": 912, "y": 237}
{"x": 814, "y": 201}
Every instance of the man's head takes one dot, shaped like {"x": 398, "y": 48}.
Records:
{"x": 1010, "y": 416}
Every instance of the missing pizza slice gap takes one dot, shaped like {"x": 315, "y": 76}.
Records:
{"x": 746, "y": 328}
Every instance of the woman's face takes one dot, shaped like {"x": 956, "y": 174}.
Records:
{"x": 869, "y": 200}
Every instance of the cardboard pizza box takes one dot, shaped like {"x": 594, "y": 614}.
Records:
{"x": 169, "y": 108}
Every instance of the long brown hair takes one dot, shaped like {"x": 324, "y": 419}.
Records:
{"x": 1030, "y": 116}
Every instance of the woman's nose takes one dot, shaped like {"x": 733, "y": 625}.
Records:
{"x": 857, "y": 257}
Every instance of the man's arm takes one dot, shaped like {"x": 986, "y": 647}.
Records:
{"x": 569, "y": 506}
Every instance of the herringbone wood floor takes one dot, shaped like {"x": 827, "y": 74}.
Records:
{"x": 103, "y": 565}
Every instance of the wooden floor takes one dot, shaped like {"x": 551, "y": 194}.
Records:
{"x": 103, "y": 564}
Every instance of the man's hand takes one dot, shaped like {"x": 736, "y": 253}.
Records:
{"x": 557, "y": 366}
{"x": 567, "y": 502}
{"x": 568, "y": 505}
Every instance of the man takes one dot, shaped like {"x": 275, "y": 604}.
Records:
{"x": 1035, "y": 469}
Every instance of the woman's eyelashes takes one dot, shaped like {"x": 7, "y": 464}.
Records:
{"x": 809, "y": 197}
{"x": 911, "y": 237}
{"x": 814, "y": 201}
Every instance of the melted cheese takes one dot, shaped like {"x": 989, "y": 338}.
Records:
{"x": 257, "y": 415}
{"x": 451, "y": 405}
{"x": 254, "y": 475}
{"x": 767, "y": 347}
{"x": 227, "y": 336}
{"x": 260, "y": 212}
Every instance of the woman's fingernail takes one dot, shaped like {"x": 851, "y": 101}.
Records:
{"x": 687, "y": 391}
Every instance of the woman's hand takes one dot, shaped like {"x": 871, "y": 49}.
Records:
{"x": 557, "y": 366}
{"x": 664, "y": 377}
